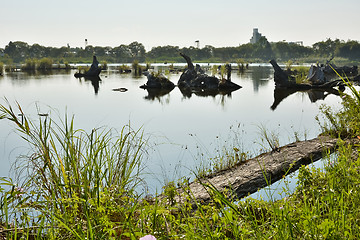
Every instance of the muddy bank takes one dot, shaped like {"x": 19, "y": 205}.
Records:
{"x": 248, "y": 177}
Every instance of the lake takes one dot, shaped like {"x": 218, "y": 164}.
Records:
{"x": 185, "y": 132}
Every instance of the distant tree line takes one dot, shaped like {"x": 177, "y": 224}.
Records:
{"x": 19, "y": 52}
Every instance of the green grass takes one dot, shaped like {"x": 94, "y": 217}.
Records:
{"x": 82, "y": 185}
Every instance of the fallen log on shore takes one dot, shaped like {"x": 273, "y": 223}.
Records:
{"x": 254, "y": 174}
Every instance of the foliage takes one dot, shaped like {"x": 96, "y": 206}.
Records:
{"x": 18, "y": 52}
{"x": 30, "y": 65}
{"x": 45, "y": 64}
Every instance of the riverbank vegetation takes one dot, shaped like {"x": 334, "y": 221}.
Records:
{"x": 83, "y": 185}
{"x": 344, "y": 52}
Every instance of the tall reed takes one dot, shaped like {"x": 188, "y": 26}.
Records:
{"x": 82, "y": 184}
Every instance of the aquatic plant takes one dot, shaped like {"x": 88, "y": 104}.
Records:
{"x": 137, "y": 68}
{"x": 83, "y": 69}
{"x": 104, "y": 65}
{"x": 9, "y": 68}
{"x": 124, "y": 68}
{"x": 241, "y": 64}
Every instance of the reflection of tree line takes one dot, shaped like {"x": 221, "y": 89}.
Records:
{"x": 257, "y": 74}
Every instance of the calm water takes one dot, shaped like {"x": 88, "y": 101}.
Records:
{"x": 185, "y": 130}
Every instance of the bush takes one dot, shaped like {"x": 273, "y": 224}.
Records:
{"x": 45, "y": 64}
{"x": 30, "y": 65}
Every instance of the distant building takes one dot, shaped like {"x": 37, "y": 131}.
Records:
{"x": 197, "y": 44}
{"x": 300, "y": 43}
{"x": 256, "y": 36}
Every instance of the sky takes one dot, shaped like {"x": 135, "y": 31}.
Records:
{"x": 220, "y": 23}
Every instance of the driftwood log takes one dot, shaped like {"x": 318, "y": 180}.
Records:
{"x": 248, "y": 177}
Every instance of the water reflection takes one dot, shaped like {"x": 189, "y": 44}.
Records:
{"x": 258, "y": 75}
{"x": 156, "y": 94}
{"x": 23, "y": 78}
{"x": 95, "y": 82}
{"x": 313, "y": 94}
{"x": 188, "y": 93}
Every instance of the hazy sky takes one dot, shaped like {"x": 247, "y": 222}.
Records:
{"x": 218, "y": 23}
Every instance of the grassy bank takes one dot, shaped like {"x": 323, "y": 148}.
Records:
{"x": 81, "y": 185}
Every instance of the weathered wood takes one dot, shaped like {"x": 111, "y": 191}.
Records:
{"x": 248, "y": 177}
{"x": 283, "y": 80}
{"x": 94, "y": 70}
{"x": 157, "y": 81}
{"x": 195, "y": 79}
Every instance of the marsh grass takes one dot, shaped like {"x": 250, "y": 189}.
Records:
{"x": 345, "y": 122}
{"x": 137, "y": 69}
{"x": 268, "y": 139}
{"x": 10, "y": 68}
{"x": 82, "y": 187}
{"x": 301, "y": 73}
{"x": 30, "y": 65}
{"x": 123, "y": 68}
{"x": 43, "y": 64}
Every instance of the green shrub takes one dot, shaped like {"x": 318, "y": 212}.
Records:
{"x": 30, "y": 65}
{"x": 45, "y": 64}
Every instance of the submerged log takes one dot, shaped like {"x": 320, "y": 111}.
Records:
{"x": 256, "y": 173}
{"x": 94, "y": 70}
{"x": 195, "y": 78}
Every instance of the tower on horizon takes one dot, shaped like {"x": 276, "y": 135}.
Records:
{"x": 256, "y": 36}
